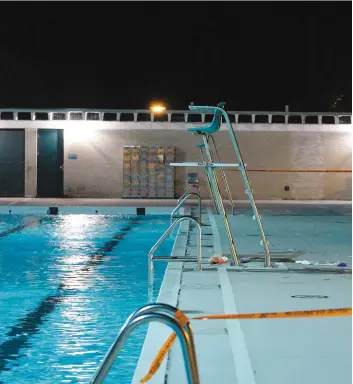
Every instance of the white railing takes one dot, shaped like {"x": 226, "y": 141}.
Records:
{"x": 181, "y": 116}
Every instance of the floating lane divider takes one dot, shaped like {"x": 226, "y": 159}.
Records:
{"x": 20, "y": 228}
{"x": 20, "y": 333}
{"x": 183, "y": 320}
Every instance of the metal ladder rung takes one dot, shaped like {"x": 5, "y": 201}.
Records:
{"x": 151, "y": 256}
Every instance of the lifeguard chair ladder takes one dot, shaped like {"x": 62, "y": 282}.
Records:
{"x": 209, "y": 166}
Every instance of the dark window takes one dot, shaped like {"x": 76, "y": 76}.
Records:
{"x": 261, "y": 119}
{"x": 24, "y": 115}
{"x": 109, "y": 116}
{"x": 294, "y": 119}
{"x": 143, "y": 117}
{"x": 328, "y": 120}
{"x": 278, "y": 119}
{"x": 127, "y": 117}
{"x": 244, "y": 119}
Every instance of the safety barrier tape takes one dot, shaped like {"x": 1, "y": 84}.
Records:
{"x": 183, "y": 320}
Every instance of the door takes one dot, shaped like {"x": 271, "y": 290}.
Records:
{"x": 12, "y": 162}
{"x": 50, "y": 160}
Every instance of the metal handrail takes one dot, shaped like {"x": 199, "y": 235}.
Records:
{"x": 186, "y": 192}
{"x": 145, "y": 315}
{"x": 225, "y": 181}
{"x": 151, "y": 256}
{"x": 181, "y": 202}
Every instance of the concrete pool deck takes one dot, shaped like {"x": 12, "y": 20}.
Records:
{"x": 34, "y": 201}
{"x": 254, "y": 351}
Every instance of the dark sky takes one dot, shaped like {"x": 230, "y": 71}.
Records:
{"x": 253, "y": 55}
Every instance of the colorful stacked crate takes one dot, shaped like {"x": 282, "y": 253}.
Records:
{"x": 135, "y": 172}
{"x": 126, "y": 171}
{"x": 143, "y": 172}
{"x": 147, "y": 172}
{"x": 152, "y": 174}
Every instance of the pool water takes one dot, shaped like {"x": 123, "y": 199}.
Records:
{"x": 67, "y": 284}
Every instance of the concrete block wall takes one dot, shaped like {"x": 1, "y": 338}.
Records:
{"x": 97, "y": 171}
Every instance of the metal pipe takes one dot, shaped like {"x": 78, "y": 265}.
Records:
{"x": 223, "y": 175}
{"x": 186, "y": 192}
{"x": 186, "y": 341}
{"x": 182, "y": 202}
{"x": 209, "y": 182}
{"x": 159, "y": 242}
{"x": 213, "y": 178}
{"x": 160, "y": 308}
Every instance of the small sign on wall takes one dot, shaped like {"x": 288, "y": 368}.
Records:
{"x": 72, "y": 156}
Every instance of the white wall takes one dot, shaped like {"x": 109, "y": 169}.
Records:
{"x": 97, "y": 171}
{"x": 98, "y": 168}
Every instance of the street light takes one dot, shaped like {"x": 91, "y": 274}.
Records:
{"x": 157, "y": 108}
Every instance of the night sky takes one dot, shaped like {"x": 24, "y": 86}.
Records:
{"x": 253, "y": 55}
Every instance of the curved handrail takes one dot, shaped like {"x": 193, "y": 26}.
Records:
{"x": 182, "y": 202}
{"x": 160, "y": 241}
{"x": 186, "y": 192}
{"x": 186, "y": 341}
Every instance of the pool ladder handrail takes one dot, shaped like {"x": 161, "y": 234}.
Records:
{"x": 162, "y": 313}
{"x": 152, "y": 257}
{"x": 187, "y": 190}
{"x": 181, "y": 202}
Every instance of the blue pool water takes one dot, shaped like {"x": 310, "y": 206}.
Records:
{"x": 67, "y": 284}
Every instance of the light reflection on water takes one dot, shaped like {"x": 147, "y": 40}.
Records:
{"x": 99, "y": 293}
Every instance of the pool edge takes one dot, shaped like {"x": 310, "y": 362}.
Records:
{"x": 157, "y": 334}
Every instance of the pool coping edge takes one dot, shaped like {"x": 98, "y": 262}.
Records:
{"x": 157, "y": 333}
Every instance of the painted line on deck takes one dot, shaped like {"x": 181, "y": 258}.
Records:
{"x": 241, "y": 358}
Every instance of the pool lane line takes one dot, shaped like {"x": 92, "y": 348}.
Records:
{"x": 20, "y": 228}
{"x": 30, "y": 324}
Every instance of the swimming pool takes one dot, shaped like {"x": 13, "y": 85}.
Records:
{"x": 67, "y": 284}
